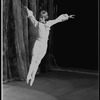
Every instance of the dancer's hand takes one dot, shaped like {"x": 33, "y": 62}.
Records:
{"x": 63, "y": 17}
{"x": 29, "y": 12}
{"x": 71, "y": 16}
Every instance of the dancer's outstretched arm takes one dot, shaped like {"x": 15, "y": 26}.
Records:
{"x": 31, "y": 16}
{"x": 61, "y": 18}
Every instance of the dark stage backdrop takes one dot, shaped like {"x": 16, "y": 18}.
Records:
{"x": 75, "y": 42}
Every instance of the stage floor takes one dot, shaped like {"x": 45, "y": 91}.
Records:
{"x": 54, "y": 86}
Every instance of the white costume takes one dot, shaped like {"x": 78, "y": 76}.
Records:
{"x": 40, "y": 46}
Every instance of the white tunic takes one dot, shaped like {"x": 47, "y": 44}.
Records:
{"x": 43, "y": 32}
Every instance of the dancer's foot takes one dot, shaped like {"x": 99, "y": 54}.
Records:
{"x": 29, "y": 76}
{"x": 32, "y": 78}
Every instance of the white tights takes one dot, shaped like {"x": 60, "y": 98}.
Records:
{"x": 38, "y": 53}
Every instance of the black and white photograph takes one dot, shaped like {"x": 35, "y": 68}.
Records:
{"x": 50, "y": 49}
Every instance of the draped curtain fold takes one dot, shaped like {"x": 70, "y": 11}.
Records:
{"x": 16, "y": 39}
{"x": 19, "y": 36}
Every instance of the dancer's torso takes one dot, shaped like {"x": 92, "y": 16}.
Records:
{"x": 43, "y": 32}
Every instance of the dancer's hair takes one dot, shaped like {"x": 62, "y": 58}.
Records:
{"x": 44, "y": 14}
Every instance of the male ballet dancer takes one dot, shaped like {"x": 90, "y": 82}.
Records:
{"x": 40, "y": 46}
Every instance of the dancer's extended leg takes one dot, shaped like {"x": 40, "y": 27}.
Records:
{"x": 35, "y": 52}
{"x": 40, "y": 55}
{"x": 32, "y": 65}
{"x": 37, "y": 62}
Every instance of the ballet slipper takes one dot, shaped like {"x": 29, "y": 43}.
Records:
{"x": 32, "y": 79}
{"x": 28, "y": 78}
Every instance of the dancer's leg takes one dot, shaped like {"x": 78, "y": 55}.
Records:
{"x": 34, "y": 56}
{"x": 34, "y": 71}
{"x": 37, "y": 62}
{"x": 29, "y": 76}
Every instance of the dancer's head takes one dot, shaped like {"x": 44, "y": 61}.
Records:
{"x": 43, "y": 16}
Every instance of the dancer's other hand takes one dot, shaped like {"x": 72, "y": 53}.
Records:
{"x": 71, "y": 16}
{"x": 63, "y": 17}
{"x": 29, "y": 12}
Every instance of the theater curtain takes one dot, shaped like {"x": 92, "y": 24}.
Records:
{"x": 19, "y": 36}
{"x": 17, "y": 43}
